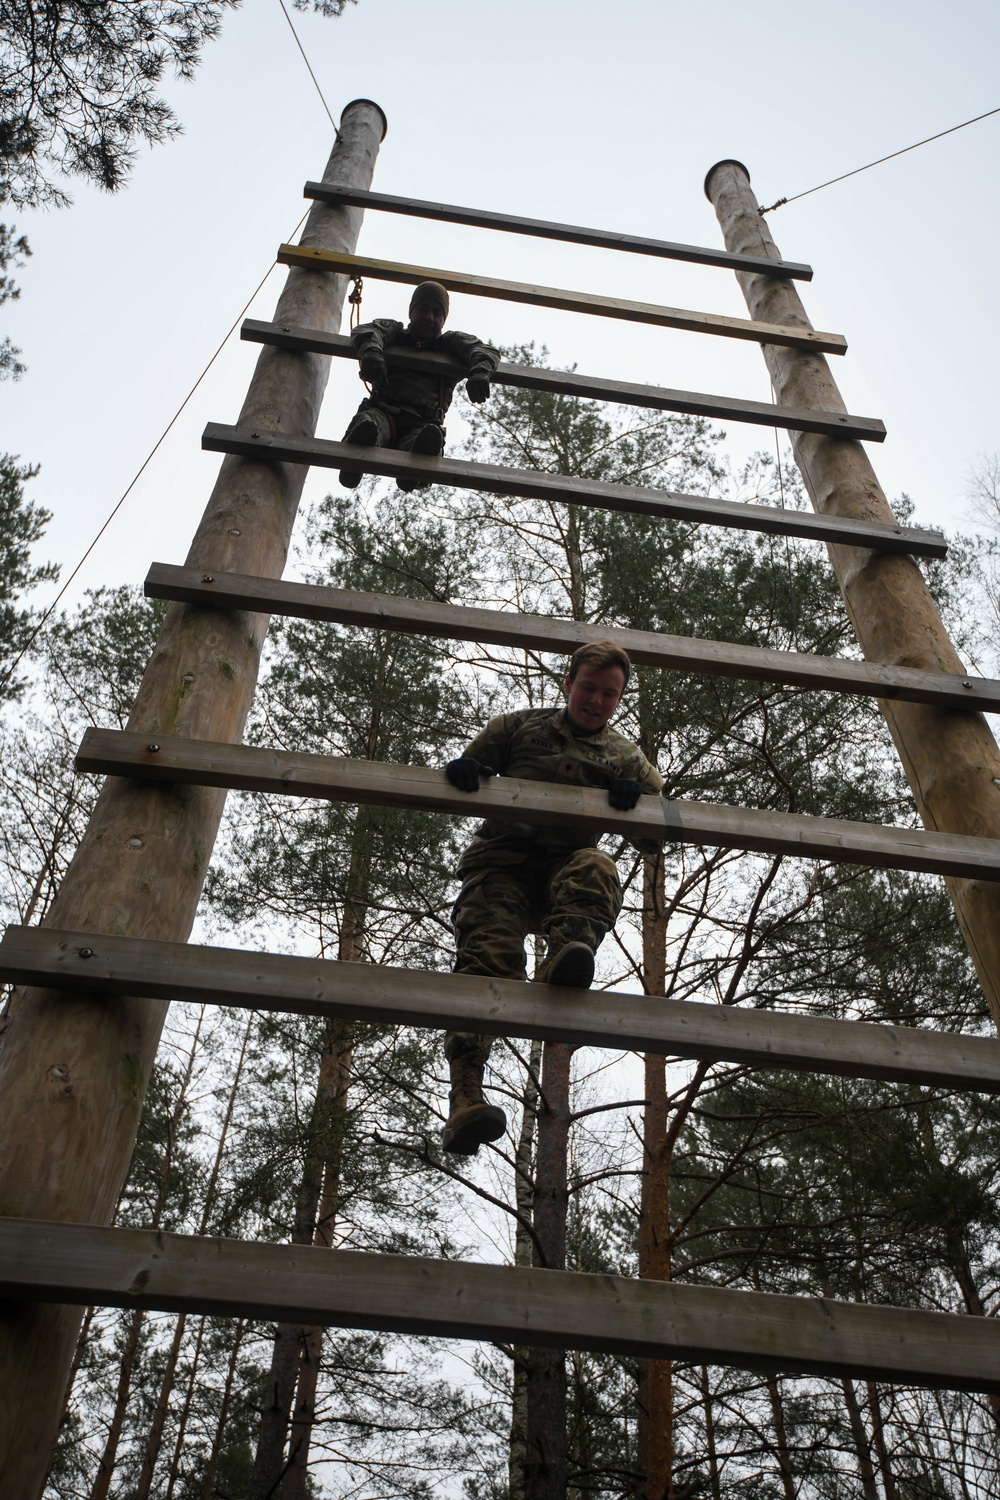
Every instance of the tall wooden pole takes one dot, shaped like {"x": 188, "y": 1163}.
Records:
{"x": 73, "y": 1067}
{"x": 950, "y": 757}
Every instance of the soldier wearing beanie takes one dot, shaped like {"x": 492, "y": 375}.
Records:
{"x": 406, "y": 408}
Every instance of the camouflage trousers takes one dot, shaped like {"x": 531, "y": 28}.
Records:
{"x": 575, "y": 898}
{"x": 396, "y": 429}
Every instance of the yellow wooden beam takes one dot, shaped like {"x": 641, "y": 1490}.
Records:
{"x": 310, "y": 259}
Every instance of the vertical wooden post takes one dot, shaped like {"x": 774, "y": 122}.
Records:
{"x": 73, "y": 1067}
{"x": 950, "y": 757}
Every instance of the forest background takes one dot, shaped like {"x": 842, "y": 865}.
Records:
{"x": 275, "y": 1128}
{"x": 283, "y": 1129}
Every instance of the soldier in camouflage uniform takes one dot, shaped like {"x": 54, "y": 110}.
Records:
{"x": 519, "y": 878}
{"x": 406, "y": 408}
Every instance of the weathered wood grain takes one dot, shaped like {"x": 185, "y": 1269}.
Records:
{"x": 604, "y": 239}
{"x": 566, "y": 301}
{"x": 144, "y": 855}
{"x": 465, "y": 1002}
{"x": 952, "y": 761}
{"x": 90, "y": 1265}
{"x": 587, "y": 387}
{"x": 499, "y": 627}
{"x": 285, "y": 772}
{"x": 535, "y": 484}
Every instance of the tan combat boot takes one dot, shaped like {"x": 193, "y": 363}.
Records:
{"x": 472, "y": 1122}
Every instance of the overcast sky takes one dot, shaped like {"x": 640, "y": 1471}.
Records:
{"x": 605, "y": 115}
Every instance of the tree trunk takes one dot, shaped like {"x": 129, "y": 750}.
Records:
{"x": 334, "y": 1086}
{"x": 336, "y": 1071}
{"x": 175, "y": 1462}
{"x": 545, "y": 1463}
{"x": 951, "y": 759}
{"x": 296, "y": 1353}
{"x": 878, "y": 1435}
{"x": 269, "y": 1461}
{"x": 140, "y": 868}
{"x": 303, "y": 1413}
{"x": 524, "y": 1197}
{"x": 859, "y": 1437}
{"x": 106, "y": 1467}
{"x": 713, "y": 1457}
{"x": 208, "y": 1484}
{"x": 128, "y": 1358}
{"x": 81, "y": 1349}
{"x": 205, "y": 1218}
{"x": 956, "y": 1250}
{"x": 957, "y": 1456}
{"x": 155, "y": 1439}
{"x": 579, "y": 1433}
{"x": 574, "y": 559}
{"x": 958, "y": 1255}
{"x": 656, "y": 1417}
{"x": 780, "y": 1438}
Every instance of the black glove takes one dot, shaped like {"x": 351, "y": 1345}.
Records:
{"x": 374, "y": 369}
{"x": 465, "y": 773}
{"x": 477, "y": 386}
{"x": 624, "y": 793}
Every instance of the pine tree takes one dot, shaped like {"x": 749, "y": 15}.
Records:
{"x": 22, "y": 524}
{"x": 359, "y": 884}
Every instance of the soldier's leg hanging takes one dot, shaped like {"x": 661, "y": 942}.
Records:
{"x": 492, "y": 918}
{"x": 583, "y": 899}
{"x": 421, "y": 437}
{"x": 370, "y": 427}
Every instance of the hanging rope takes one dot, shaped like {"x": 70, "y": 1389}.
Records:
{"x": 777, "y": 454}
{"x": 844, "y": 175}
{"x": 354, "y": 298}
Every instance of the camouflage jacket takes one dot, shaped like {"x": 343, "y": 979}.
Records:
{"x": 423, "y": 392}
{"x": 540, "y": 744}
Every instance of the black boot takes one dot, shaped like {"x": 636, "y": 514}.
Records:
{"x": 572, "y": 965}
{"x": 364, "y": 431}
{"x": 429, "y": 441}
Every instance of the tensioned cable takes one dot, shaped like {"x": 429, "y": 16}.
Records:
{"x": 312, "y": 75}
{"x": 146, "y": 461}
{"x": 844, "y": 175}
{"x": 138, "y": 473}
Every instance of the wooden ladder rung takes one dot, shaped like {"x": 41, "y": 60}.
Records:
{"x": 499, "y": 627}
{"x": 586, "y": 387}
{"x": 808, "y": 339}
{"x": 285, "y": 772}
{"x": 88, "y": 1264}
{"x": 497, "y": 1007}
{"x": 535, "y": 484}
{"x": 604, "y": 239}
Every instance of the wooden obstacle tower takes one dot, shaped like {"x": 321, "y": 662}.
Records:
{"x": 113, "y": 951}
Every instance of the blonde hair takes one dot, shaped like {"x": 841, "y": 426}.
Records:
{"x": 598, "y": 655}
